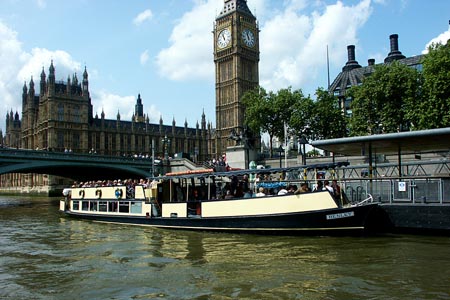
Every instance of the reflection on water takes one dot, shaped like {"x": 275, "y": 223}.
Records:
{"x": 44, "y": 255}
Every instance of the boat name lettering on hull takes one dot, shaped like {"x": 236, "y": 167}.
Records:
{"x": 341, "y": 215}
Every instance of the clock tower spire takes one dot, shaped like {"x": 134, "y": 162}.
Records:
{"x": 236, "y": 58}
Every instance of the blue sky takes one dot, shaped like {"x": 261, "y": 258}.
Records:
{"x": 163, "y": 49}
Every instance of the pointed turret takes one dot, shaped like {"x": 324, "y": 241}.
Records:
{"x": 85, "y": 83}
{"x": 118, "y": 120}
{"x": 68, "y": 86}
{"x": 42, "y": 83}
{"x": 139, "y": 110}
{"x": 24, "y": 94}
{"x": 31, "y": 91}
{"x": 75, "y": 80}
{"x": 173, "y": 126}
{"x": 51, "y": 79}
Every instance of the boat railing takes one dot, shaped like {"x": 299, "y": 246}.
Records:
{"x": 369, "y": 199}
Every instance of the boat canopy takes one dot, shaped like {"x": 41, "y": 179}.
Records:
{"x": 210, "y": 173}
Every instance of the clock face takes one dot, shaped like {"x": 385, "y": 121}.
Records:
{"x": 224, "y": 38}
{"x": 248, "y": 37}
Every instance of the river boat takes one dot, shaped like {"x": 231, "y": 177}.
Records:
{"x": 195, "y": 200}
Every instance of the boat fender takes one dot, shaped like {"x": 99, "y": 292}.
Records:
{"x": 81, "y": 194}
{"x": 118, "y": 193}
{"x": 98, "y": 193}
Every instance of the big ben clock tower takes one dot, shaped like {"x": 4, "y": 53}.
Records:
{"x": 236, "y": 58}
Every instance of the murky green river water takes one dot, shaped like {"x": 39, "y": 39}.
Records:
{"x": 44, "y": 255}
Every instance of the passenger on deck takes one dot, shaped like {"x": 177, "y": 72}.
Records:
{"x": 303, "y": 188}
{"x": 261, "y": 192}
{"x": 228, "y": 195}
{"x": 282, "y": 191}
{"x": 327, "y": 187}
{"x": 319, "y": 187}
{"x": 336, "y": 188}
{"x": 248, "y": 193}
{"x": 291, "y": 189}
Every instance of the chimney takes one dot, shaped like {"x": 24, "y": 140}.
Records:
{"x": 351, "y": 63}
{"x": 395, "y": 54}
{"x": 351, "y": 52}
{"x": 394, "y": 42}
{"x": 371, "y": 61}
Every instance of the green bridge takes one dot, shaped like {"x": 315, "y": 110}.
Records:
{"x": 74, "y": 166}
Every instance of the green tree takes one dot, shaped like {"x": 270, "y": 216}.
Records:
{"x": 385, "y": 100}
{"x": 328, "y": 119}
{"x": 301, "y": 115}
{"x": 434, "y": 110}
{"x": 268, "y": 112}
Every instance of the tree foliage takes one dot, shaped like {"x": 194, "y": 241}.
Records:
{"x": 327, "y": 118}
{"x": 385, "y": 100}
{"x": 267, "y": 112}
{"x": 434, "y": 111}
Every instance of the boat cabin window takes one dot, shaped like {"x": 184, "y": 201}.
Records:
{"x": 102, "y": 206}
{"x": 93, "y": 206}
{"x": 76, "y": 205}
{"x": 136, "y": 207}
{"x": 113, "y": 206}
{"x": 124, "y": 206}
{"x": 85, "y": 205}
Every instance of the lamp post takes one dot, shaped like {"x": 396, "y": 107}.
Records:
{"x": 280, "y": 151}
{"x": 166, "y": 144}
{"x": 153, "y": 157}
{"x": 303, "y": 141}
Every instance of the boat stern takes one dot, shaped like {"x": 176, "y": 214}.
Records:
{"x": 62, "y": 205}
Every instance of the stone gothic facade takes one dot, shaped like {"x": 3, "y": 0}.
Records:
{"x": 61, "y": 118}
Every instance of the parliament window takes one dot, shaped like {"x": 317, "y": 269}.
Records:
{"x": 60, "y": 112}
{"x": 60, "y": 137}
{"x": 76, "y": 114}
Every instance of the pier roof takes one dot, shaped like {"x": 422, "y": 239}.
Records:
{"x": 421, "y": 141}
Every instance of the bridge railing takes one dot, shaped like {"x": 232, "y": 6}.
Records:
{"x": 42, "y": 154}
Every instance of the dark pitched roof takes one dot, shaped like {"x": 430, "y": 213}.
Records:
{"x": 354, "y": 76}
{"x": 231, "y": 6}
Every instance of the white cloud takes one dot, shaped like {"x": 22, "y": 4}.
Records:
{"x": 441, "y": 39}
{"x": 190, "y": 53}
{"x": 144, "y": 57}
{"x": 292, "y": 41}
{"x": 41, "y": 58}
{"x": 293, "y": 44}
{"x": 12, "y": 57}
{"x": 142, "y": 17}
{"x": 110, "y": 104}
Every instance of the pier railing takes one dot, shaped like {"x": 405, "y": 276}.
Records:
{"x": 400, "y": 190}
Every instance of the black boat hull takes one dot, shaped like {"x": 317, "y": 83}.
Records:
{"x": 330, "y": 221}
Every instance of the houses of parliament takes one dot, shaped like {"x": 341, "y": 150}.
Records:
{"x": 60, "y": 117}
